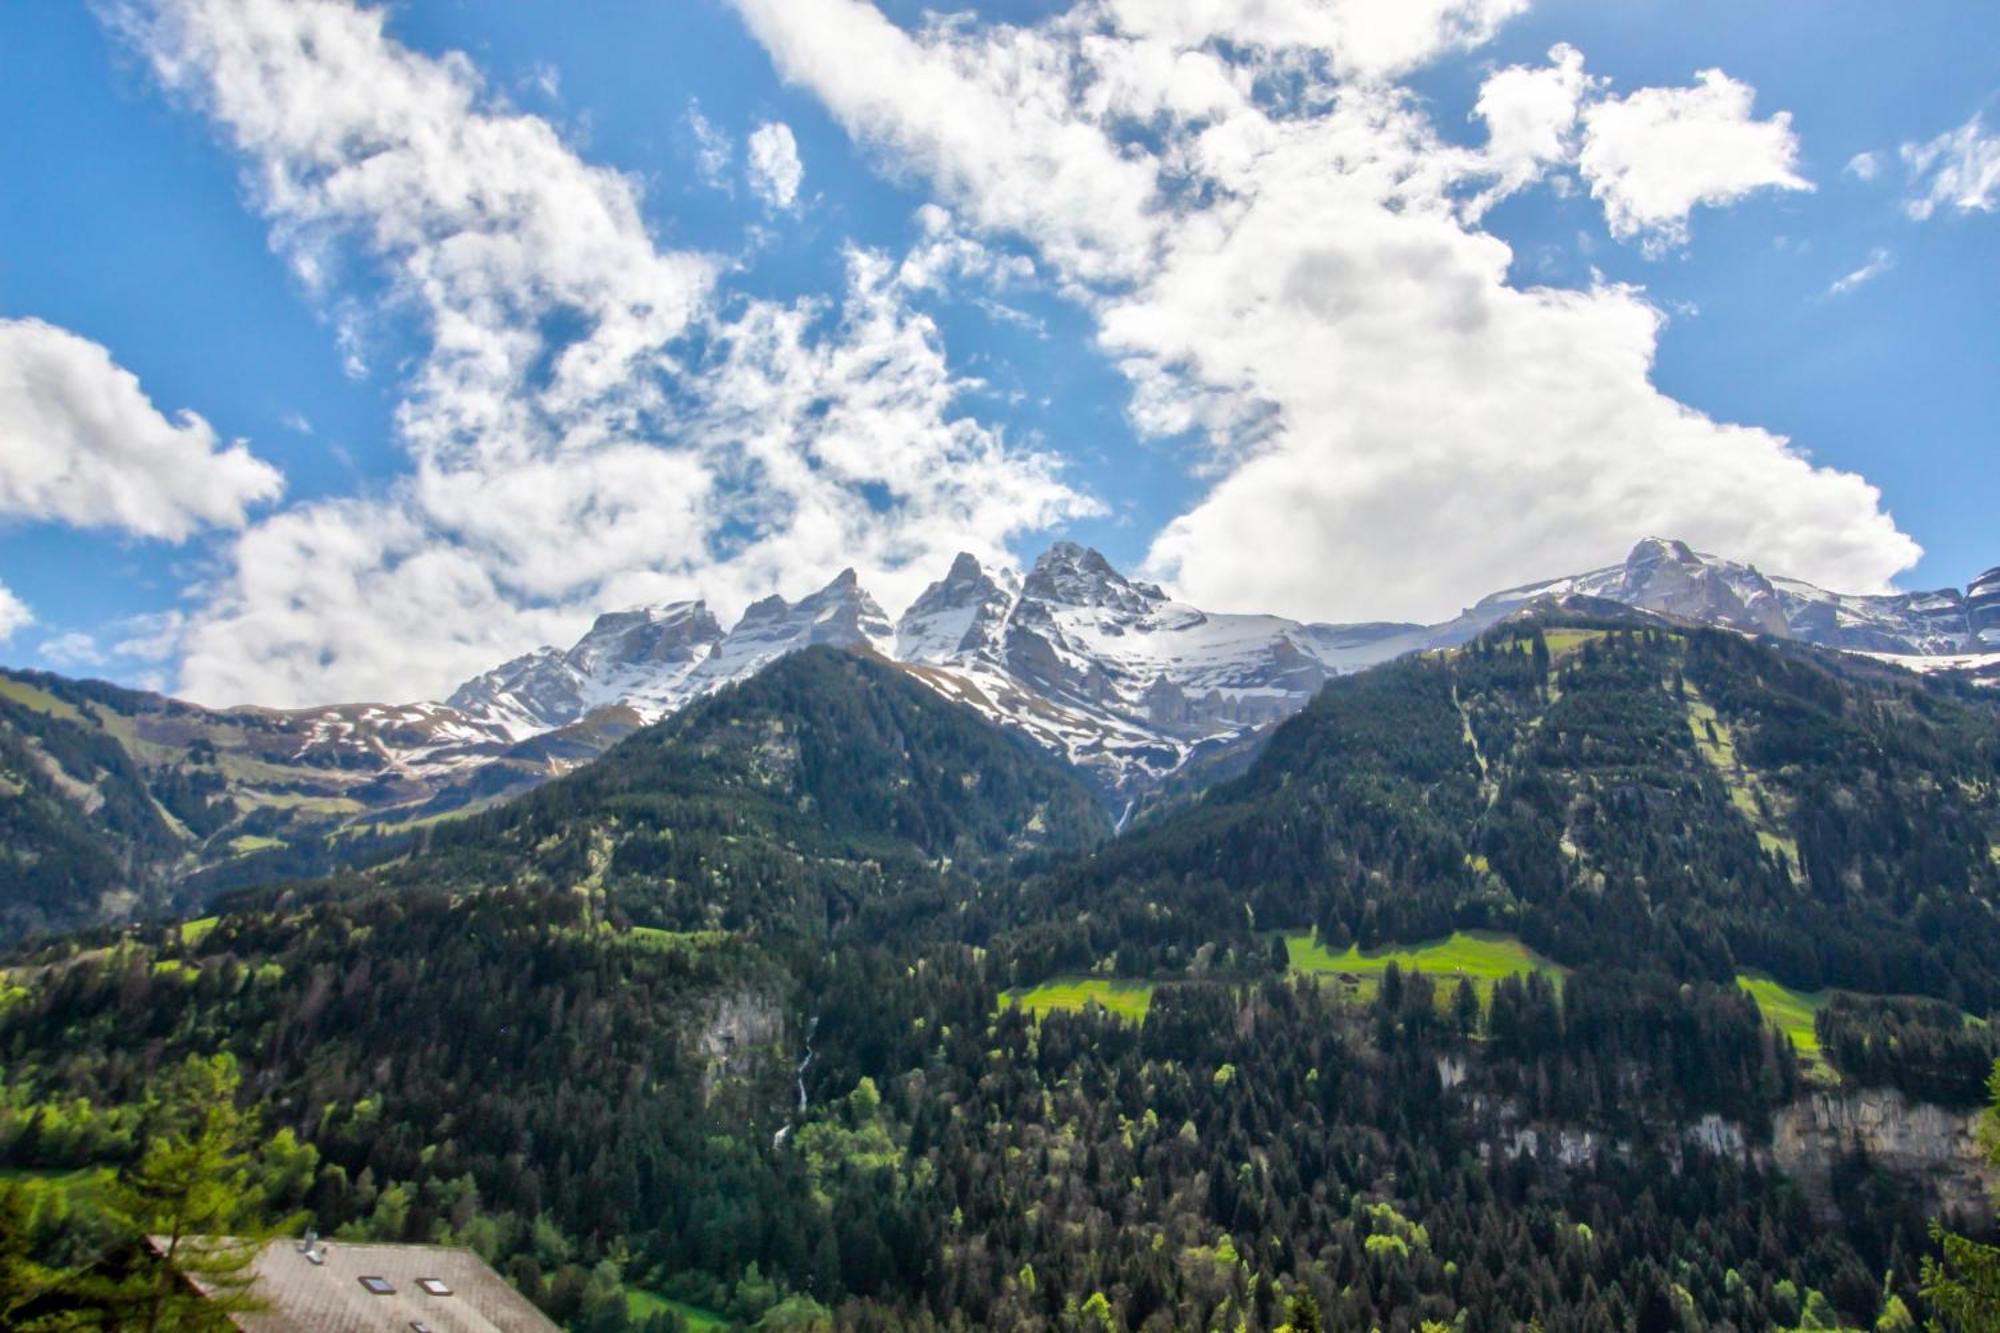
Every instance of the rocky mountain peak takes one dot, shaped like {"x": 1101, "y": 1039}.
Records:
{"x": 1073, "y": 575}
{"x": 963, "y": 613}
{"x": 841, "y": 614}
{"x": 675, "y": 632}
{"x": 1652, "y": 552}
{"x": 1127, "y": 682}
{"x": 1671, "y": 577}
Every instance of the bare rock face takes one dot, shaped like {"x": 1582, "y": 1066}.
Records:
{"x": 1982, "y": 608}
{"x": 742, "y": 1036}
{"x": 1930, "y": 1144}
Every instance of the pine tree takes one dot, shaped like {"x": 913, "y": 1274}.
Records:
{"x": 191, "y": 1191}
{"x": 1963, "y": 1288}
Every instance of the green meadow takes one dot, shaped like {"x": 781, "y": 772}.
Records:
{"x": 1482, "y": 956}
{"x": 1126, "y": 999}
{"x": 1790, "y": 1011}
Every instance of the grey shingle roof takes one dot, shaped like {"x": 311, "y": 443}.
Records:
{"x": 329, "y": 1297}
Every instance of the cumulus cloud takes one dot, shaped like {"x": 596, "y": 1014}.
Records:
{"x": 775, "y": 169}
{"x": 1958, "y": 170}
{"x": 1880, "y": 261}
{"x": 71, "y": 650}
{"x": 84, "y": 445}
{"x": 1286, "y": 266}
{"x": 1653, "y": 157}
{"x": 593, "y": 421}
{"x": 14, "y": 614}
{"x": 1531, "y": 117}
{"x": 1863, "y": 166}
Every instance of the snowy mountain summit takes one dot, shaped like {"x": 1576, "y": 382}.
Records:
{"x": 1112, "y": 673}
{"x": 1672, "y": 579}
{"x": 655, "y": 659}
{"x": 1130, "y": 684}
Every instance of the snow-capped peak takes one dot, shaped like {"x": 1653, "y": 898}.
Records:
{"x": 842, "y": 614}
{"x": 962, "y": 614}
{"x": 1075, "y": 575}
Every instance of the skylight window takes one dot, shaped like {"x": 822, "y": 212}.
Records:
{"x": 436, "y": 1286}
{"x": 381, "y": 1286}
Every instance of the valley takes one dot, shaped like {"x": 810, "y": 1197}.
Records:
{"x": 1225, "y": 1053}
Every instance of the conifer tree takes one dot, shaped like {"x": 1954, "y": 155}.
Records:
{"x": 191, "y": 1192}
{"x": 1963, "y": 1288}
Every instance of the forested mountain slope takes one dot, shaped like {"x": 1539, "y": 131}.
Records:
{"x": 722, "y": 1018}
{"x": 117, "y": 803}
{"x": 785, "y": 801}
{"x": 1600, "y": 786}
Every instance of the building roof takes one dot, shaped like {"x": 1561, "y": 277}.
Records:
{"x": 330, "y": 1296}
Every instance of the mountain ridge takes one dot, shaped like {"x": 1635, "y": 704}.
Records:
{"x": 1130, "y": 683}
{"x": 1146, "y": 695}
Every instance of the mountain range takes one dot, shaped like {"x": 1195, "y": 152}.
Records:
{"x": 1137, "y": 690}
{"x": 1129, "y": 683}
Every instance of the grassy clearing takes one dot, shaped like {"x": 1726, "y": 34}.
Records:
{"x": 245, "y": 843}
{"x": 194, "y": 932}
{"x": 1564, "y": 641}
{"x": 1126, "y": 999}
{"x": 642, "y": 1305}
{"x": 1790, "y": 1011}
{"x": 41, "y": 701}
{"x": 1483, "y": 956}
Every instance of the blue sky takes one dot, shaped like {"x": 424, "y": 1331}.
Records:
{"x": 497, "y": 315}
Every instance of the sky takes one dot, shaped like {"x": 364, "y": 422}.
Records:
{"x": 348, "y": 350}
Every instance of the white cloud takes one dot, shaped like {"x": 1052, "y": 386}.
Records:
{"x": 1362, "y": 38}
{"x": 1863, "y": 166}
{"x": 85, "y": 446}
{"x": 71, "y": 650}
{"x": 151, "y": 637}
{"x": 944, "y": 253}
{"x": 591, "y": 424}
{"x": 1286, "y": 265}
{"x": 1531, "y": 117}
{"x": 712, "y": 149}
{"x": 775, "y": 170}
{"x": 1653, "y": 157}
{"x": 1960, "y": 170}
{"x": 14, "y": 614}
{"x": 1880, "y": 261}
